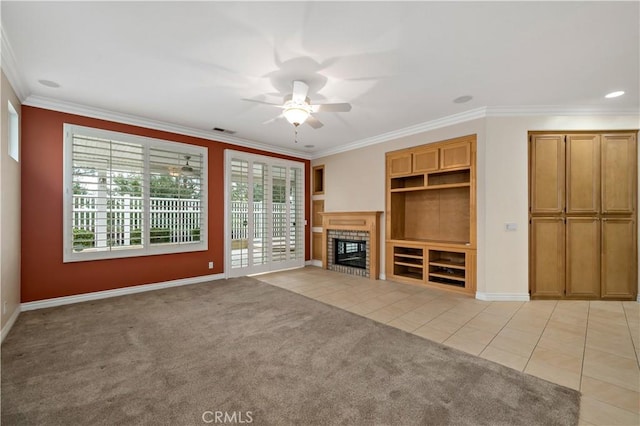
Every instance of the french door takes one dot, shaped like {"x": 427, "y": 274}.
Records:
{"x": 264, "y": 221}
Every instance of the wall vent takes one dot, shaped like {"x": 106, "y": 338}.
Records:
{"x": 221, "y": 130}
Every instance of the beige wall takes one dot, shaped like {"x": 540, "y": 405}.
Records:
{"x": 354, "y": 180}
{"x": 506, "y": 263}
{"x": 9, "y": 214}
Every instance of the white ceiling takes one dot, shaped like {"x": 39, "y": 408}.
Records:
{"x": 399, "y": 64}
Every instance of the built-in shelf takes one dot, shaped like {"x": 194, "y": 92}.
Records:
{"x": 431, "y": 214}
{"x": 408, "y": 262}
{"x": 449, "y": 178}
{"x": 433, "y": 187}
{"x": 408, "y": 182}
{"x": 447, "y": 267}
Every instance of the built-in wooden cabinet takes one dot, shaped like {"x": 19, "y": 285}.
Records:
{"x": 619, "y": 257}
{"x": 317, "y": 208}
{"x": 546, "y": 256}
{"x": 619, "y": 174}
{"x": 455, "y": 155}
{"x": 582, "y": 243}
{"x": 399, "y": 164}
{"x": 582, "y": 203}
{"x": 425, "y": 160}
{"x": 582, "y": 174}
{"x": 546, "y": 181}
{"x": 431, "y": 215}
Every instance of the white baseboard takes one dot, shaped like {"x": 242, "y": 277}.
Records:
{"x": 638, "y": 298}
{"x": 7, "y": 327}
{"x": 503, "y": 297}
{"x": 67, "y": 300}
{"x": 314, "y": 262}
{"x": 382, "y": 277}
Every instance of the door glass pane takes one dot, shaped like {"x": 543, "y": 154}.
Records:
{"x": 260, "y": 214}
{"x": 239, "y": 213}
{"x": 279, "y": 203}
{"x": 296, "y": 214}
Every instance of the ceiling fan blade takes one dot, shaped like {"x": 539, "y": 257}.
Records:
{"x": 274, "y": 119}
{"x": 300, "y": 90}
{"x": 262, "y": 102}
{"x": 313, "y": 122}
{"x": 343, "y": 107}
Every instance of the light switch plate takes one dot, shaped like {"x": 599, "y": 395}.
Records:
{"x": 510, "y": 226}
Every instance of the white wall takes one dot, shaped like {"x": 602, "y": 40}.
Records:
{"x": 354, "y": 181}
{"x": 9, "y": 216}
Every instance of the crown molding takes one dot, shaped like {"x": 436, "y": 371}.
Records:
{"x": 528, "y": 111}
{"x": 10, "y": 67}
{"x": 484, "y": 112}
{"x": 103, "y": 114}
{"x": 450, "y": 120}
{"x": 407, "y": 131}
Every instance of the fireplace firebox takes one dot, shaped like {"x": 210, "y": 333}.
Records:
{"x": 350, "y": 253}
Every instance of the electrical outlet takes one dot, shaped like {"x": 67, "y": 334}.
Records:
{"x": 210, "y": 265}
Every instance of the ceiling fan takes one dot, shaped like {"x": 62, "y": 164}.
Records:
{"x": 297, "y": 107}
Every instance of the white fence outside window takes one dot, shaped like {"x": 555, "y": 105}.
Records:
{"x": 119, "y": 223}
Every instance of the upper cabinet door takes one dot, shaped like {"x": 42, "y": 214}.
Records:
{"x": 583, "y": 174}
{"x": 546, "y": 174}
{"x": 455, "y": 155}
{"x": 618, "y": 173}
{"x": 399, "y": 164}
{"x": 425, "y": 160}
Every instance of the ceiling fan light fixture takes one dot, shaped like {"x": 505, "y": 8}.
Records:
{"x": 296, "y": 115}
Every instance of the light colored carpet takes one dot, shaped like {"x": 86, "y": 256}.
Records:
{"x": 258, "y": 353}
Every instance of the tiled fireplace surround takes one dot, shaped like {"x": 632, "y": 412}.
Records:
{"x": 334, "y": 234}
{"x": 355, "y": 226}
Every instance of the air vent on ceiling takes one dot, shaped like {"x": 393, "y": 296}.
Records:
{"x": 221, "y": 130}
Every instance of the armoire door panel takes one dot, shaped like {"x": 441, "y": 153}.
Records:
{"x": 583, "y": 257}
{"x": 619, "y": 258}
{"x": 583, "y": 174}
{"x": 547, "y": 266}
{"x": 618, "y": 173}
{"x": 547, "y": 174}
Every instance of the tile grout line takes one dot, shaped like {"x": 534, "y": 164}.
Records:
{"x": 498, "y": 332}
{"x": 541, "y": 334}
{"x": 584, "y": 347}
{"x": 633, "y": 343}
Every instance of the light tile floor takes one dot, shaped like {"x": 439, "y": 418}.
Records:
{"x": 591, "y": 346}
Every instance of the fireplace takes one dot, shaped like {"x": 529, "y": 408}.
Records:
{"x": 351, "y": 244}
{"x": 350, "y": 253}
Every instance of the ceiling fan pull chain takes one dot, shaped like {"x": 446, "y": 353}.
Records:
{"x": 295, "y": 134}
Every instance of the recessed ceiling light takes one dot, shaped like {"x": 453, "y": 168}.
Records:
{"x": 49, "y": 83}
{"x": 309, "y": 146}
{"x": 614, "y": 94}
{"x": 462, "y": 99}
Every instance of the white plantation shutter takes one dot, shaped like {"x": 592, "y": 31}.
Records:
{"x": 131, "y": 196}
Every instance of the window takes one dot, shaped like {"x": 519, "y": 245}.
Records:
{"x": 14, "y": 139}
{"x": 127, "y": 195}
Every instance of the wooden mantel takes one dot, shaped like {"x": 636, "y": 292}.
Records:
{"x": 355, "y": 221}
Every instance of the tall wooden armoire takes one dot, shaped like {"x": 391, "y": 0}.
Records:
{"x": 583, "y": 215}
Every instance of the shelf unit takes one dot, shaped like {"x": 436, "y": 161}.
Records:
{"x": 408, "y": 262}
{"x": 430, "y": 215}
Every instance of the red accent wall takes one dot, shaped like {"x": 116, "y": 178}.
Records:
{"x": 44, "y": 275}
